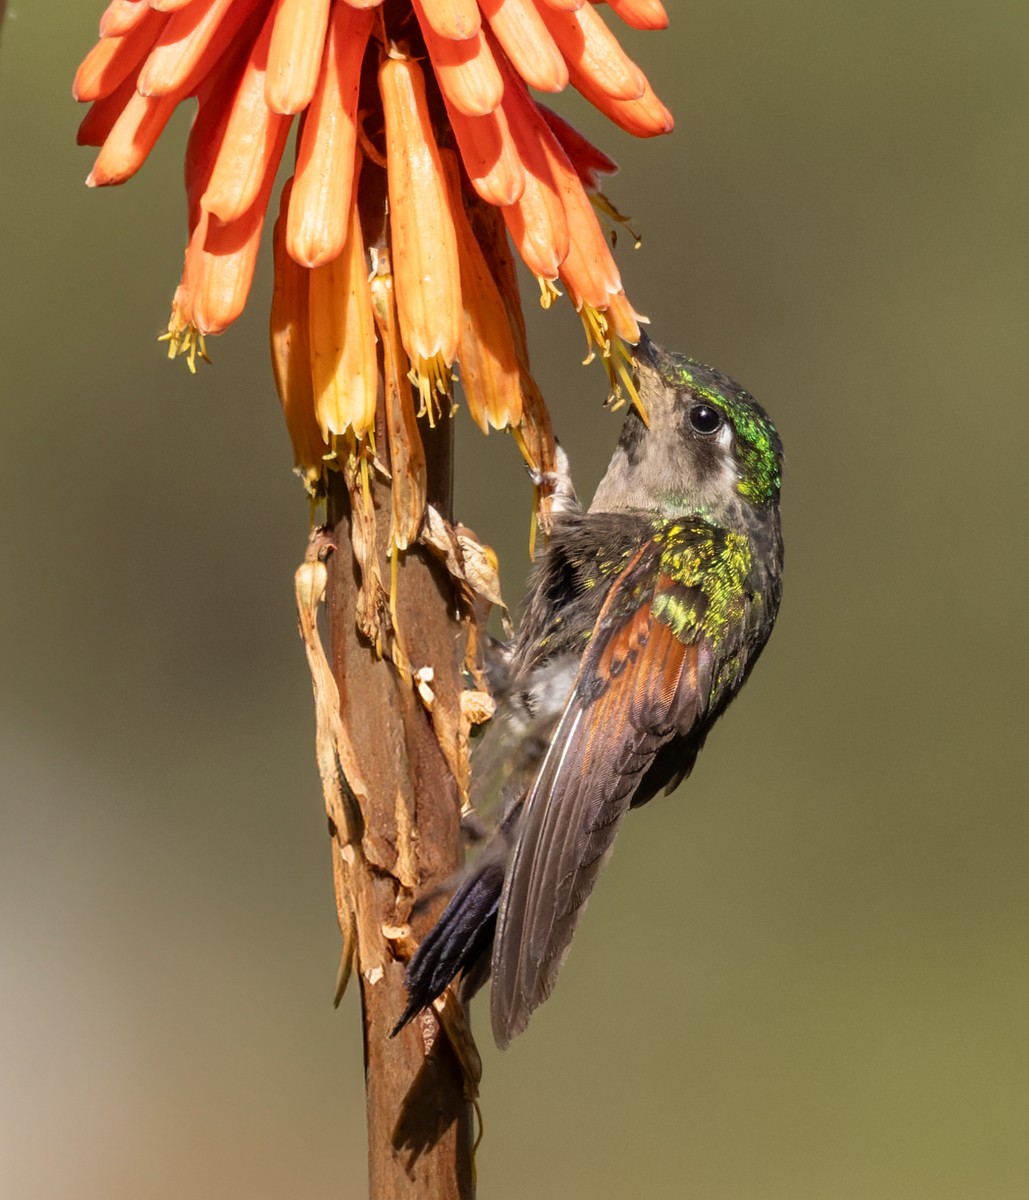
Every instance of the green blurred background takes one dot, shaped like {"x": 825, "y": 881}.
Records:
{"x": 805, "y": 976}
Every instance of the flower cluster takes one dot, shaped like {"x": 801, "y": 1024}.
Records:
{"x": 421, "y": 156}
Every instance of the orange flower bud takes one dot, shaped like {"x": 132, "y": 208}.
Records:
{"x": 588, "y": 270}
{"x": 252, "y": 143}
{"x": 645, "y": 117}
{"x": 295, "y": 53}
{"x": 538, "y": 227}
{"x": 467, "y": 74}
{"x": 422, "y": 238}
{"x": 95, "y": 127}
{"x": 214, "y": 104}
{"x": 590, "y": 48}
{"x": 534, "y": 434}
{"x": 536, "y": 222}
{"x": 623, "y": 319}
{"x": 190, "y": 45}
{"x": 122, "y": 16}
{"x": 326, "y": 158}
{"x": 525, "y": 39}
{"x": 131, "y": 138}
{"x": 224, "y": 266}
{"x": 490, "y": 155}
{"x": 641, "y": 14}
{"x": 113, "y": 59}
{"x": 455, "y": 19}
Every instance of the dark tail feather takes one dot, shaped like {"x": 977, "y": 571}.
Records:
{"x": 458, "y": 941}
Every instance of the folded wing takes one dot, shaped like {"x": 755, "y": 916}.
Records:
{"x": 641, "y": 685}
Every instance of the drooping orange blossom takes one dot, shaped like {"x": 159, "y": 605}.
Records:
{"x": 420, "y": 152}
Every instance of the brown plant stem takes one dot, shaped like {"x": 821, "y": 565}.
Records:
{"x": 419, "y": 1118}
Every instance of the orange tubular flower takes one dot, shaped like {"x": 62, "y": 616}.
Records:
{"x": 252, "y": 143}
{"x": 429, "y": 101}
{"x": 122, "y": 16}
{"x": 521, "y": 31}
{"x": 490, "y": 155}
{"x": 466, "y": 70}
{"x": 591, "y": 49}
{"x": 422, "y": 233}
{"x": 291, "y": 353}
{"x": 490, "y": 376}
{"x": 641, "y": 14}
{"x": 319, "y": 211}
{"x": 115, "y": 57}
{"x": 343, "y": 363}
{"x": 295, "y": 53}
{"x": 589, "y": 162}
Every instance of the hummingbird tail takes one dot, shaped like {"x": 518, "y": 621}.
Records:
{"x": 459, "y": 941}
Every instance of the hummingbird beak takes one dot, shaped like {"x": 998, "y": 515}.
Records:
{"x": 646, "y": 353}
{"x": 647, "y": 356}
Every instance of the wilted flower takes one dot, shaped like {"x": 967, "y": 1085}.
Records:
{"x": 420, "y": 149}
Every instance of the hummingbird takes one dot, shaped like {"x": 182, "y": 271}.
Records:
{"x": 644, "y": 618}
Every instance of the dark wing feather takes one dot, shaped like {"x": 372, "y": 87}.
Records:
{"x": 638, "y": 687}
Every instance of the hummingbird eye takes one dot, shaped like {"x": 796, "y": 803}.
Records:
{"x": 705, "y": 419}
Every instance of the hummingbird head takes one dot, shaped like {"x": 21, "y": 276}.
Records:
{"x": 709, "y": 446}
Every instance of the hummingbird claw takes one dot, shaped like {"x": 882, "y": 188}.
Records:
{"x": 558, "y": 483}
